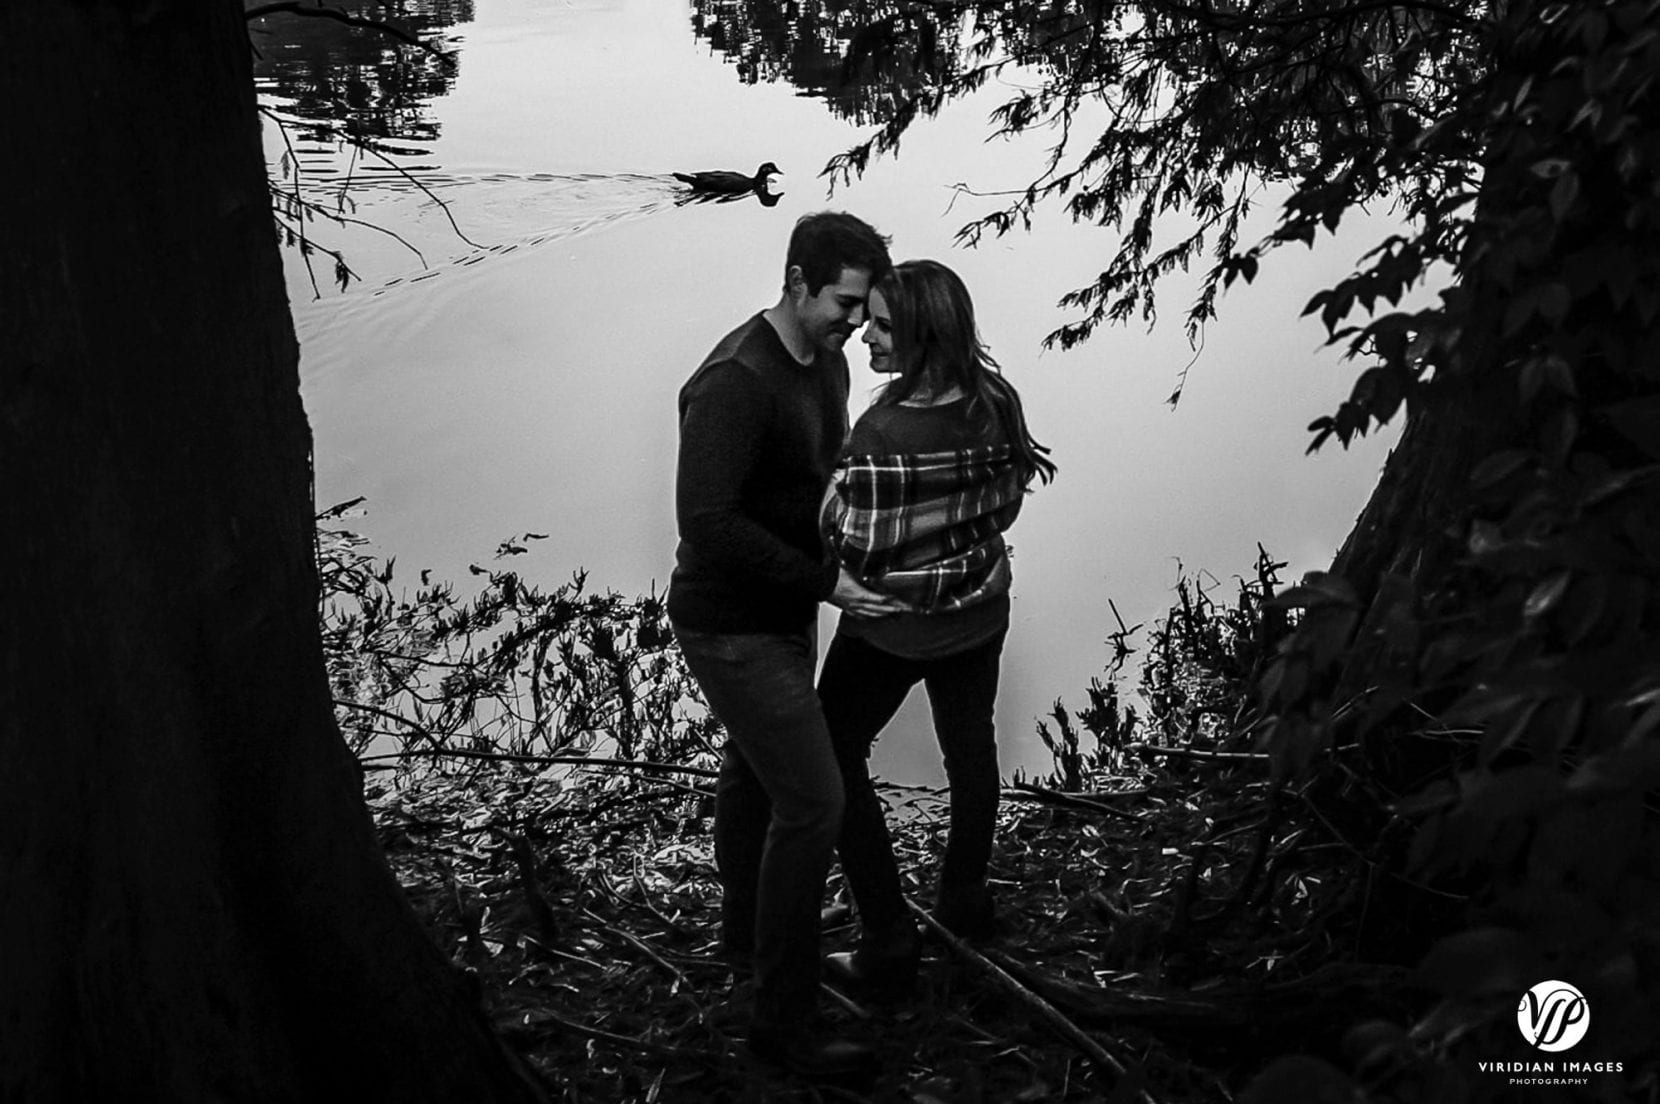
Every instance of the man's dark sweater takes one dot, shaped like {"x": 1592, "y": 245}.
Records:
{"x": 760, "y": 434}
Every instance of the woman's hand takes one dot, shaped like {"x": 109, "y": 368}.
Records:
{"x": 860, "y": 601}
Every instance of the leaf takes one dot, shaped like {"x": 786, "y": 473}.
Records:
{"x": 1563, "y": 193}
{"x": 1303, "y": 1078}
{"x": 1638, "y": 421}
{"x": 1607, "y": 486}
{"x": 1521, "y": 308}
{"x": 1532, "y": 378}
{"x": 1553, "y": 303}
{"x": 1646, "y": 724}
{"x": 1584, "y": 612}
{"x": 1479, "y": 962}
{"x": 1373, "y": 1042}
{"x": 1433, "y": 798}
{"x": 1485, "y": 538}
{"x": 1500, "y": 736}
{"x": 1546, "y": 594}
{"x": 1424, "y": 853}
{"x": 1495, "y": 467}
{"x": 1634, "y": 768}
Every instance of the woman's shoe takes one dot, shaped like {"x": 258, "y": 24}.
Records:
{"x": 881, "y": 969}
{"x": 970, "y": 917}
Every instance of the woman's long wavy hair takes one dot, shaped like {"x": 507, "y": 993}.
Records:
{"x": 936, "y": 346}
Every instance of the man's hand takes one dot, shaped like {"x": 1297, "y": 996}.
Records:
{"x": 861, "y": 601}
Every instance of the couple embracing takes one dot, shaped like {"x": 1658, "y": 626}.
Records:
{"x": 898, "y": 524}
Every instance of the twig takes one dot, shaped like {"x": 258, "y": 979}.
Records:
{"x": 508, "y": 757}
{"x": 348, "y": 220}
{"x": 541, "y": 1019}
{"x": 638, "y": 944}
{"x": 420, "y": 730}
{"x": 1073, "y": 801}
{"x": 645, "y": 899}
{"x": 442, "y": 206}
{"x": 1207, "y": 756}
{"x": 682, "y": 988}
{"x": 557, "y": 953}
{"x": 1010, "y": 1049}
{"x": 853, "y": 1007}
{"x": 1045, "y": 1011}
{"x": 524, "y": 858}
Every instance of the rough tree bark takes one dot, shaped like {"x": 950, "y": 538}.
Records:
{"x": 192, "y": 902}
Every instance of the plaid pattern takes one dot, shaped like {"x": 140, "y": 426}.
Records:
{"x": 926, "y": 527}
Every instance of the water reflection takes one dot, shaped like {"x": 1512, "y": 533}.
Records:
{"x": 869, "y": 60}
{"x": 343, "y": 77}
{"x": 861, "y": 58}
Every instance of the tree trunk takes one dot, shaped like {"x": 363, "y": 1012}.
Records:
{"x": 1553, "y": 380}
{"x": 192, "y": 901}
{"x": 1405, "y": 528}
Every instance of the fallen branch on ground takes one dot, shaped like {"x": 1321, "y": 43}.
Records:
{"x": 1203, "y": 756}
{"x": 1045, "y": 1011}
{"x": 1072, "y": 801}
{"x": 645, "y": 765}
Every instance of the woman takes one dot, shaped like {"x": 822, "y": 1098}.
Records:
{"x": 932, "y": 475}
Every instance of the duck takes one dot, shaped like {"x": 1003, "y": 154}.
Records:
{"x": 725, "y": 182}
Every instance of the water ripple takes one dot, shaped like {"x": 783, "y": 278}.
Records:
{"x": 406, "y": 225}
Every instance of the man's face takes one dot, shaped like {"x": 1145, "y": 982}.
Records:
{"x": 829, "y": 318}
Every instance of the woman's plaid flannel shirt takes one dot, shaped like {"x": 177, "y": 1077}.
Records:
{"x": 926, "y": 527}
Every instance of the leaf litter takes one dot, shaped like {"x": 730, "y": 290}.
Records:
{"x": 1163, "y": 936}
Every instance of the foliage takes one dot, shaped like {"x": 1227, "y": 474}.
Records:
{"x": 1526, "y": 628}
{"x": 512, "y": 670}
{"x": 1169, "y": 114}
{"x": 1473, "y": 687}
{"x": 1195, "y": 683}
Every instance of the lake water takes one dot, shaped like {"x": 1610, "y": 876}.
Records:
{"x": 523, "y": 378}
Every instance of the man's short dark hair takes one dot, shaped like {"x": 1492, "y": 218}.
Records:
{"x": 825, "y": 242}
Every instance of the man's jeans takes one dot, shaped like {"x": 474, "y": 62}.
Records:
{"x": 778, "y": 808}
{"x": 861, "y": 688}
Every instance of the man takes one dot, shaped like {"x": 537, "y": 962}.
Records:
{"x": 762, "y": 423}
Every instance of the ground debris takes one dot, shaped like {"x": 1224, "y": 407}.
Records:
{"x": 1186, "y": 943}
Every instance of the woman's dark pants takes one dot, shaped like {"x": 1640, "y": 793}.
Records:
{"x": 778, "y": 808}
{"x": 861, "y": 688}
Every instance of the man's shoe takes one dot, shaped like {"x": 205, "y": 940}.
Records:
{"x": 737, "y": 958}
{"x": 815, "y": 1057}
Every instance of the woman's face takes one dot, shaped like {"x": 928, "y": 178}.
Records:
{"x": 879, "y": 335}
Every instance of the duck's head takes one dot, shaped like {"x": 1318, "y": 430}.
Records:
{"x": 766, "y": 170}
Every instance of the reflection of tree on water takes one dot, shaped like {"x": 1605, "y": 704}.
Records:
{"x": 343, "y": 83}
{"x": 806, "y": 44}
{"x": 869, "y": 58}
{"x": 352, "y": 80}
